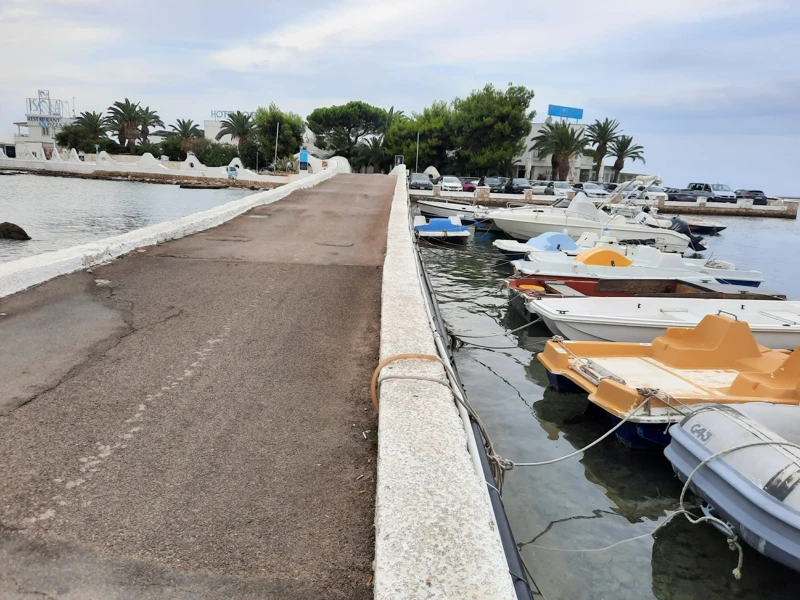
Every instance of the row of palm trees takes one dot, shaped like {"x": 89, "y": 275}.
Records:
{"x": 132, "y": 122}
{"x": 561, "y": 141}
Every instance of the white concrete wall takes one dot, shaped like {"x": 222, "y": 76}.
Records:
{"x": 435, "y": 534}
{"x": 146, "y": 163}
{"x": 21, "y": 274}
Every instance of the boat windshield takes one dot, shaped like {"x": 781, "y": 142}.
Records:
{"x": 583, "y": 208}
{"x": 720, "y": 187}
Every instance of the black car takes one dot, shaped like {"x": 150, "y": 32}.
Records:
{"x": 518, "y": 185}
{"x": 420, "y": 181}
{"x": 757, "y": 196}
{"x": 495, "y": 184}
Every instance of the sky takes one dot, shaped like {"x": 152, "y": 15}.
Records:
{"x": 709, "y": 87}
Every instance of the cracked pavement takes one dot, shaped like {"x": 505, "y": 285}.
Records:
{"x": 196, "y": 427}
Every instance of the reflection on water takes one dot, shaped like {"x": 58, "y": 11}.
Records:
{"x": 62, "y": 212}
{"x": 610, "y": 493}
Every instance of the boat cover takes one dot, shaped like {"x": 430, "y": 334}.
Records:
{"x": 451, "y": 224}
{"x": 552, "y": 241}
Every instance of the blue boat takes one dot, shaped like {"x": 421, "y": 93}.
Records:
{"x": 552, "y": 241}
{"x": 447, "y": 231}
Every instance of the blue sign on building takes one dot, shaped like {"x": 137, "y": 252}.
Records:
{"x": 564, "y": 111}
{"x": 304, "y": 155}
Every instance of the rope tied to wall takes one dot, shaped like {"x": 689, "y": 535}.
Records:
{"x": 386, "y": 361}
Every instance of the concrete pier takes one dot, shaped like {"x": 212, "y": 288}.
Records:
{"x": 193, "y": 421}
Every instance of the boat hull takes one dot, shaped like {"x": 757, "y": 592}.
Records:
{"x": 436, "y": 210}
{"x": 663, "y": 239}
{"x": 758, "y": 515}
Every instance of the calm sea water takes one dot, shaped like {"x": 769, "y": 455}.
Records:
{"x": 608, "y": 493}
{"x": 61, "y": 212}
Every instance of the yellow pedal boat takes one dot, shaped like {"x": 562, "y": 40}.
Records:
{"x": 657, "y": 384}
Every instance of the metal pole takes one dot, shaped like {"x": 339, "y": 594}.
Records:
{"x": 277, "y": 133}
{"x": 256, "y": 159}
{"x": 416, "y": 166}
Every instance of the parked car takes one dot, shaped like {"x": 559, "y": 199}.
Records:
{"x": 652, "y": 194}
{"x": 450, "y": 183}
{"x": 518, "y": 185}
{"x": 591, "y": 189}
{"x": 715, "y": 192}
{"x": 469, "y": 185}
{"x": 677, "y": 195}
{"x": 420, "y": 181}
{"x": 757, "y": 196}
{"x": 494, "y": 184}
{"x": 557, "y": 188}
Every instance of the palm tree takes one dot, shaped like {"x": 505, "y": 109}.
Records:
{"x": 184, "y": 130}
{"x": 601, "y": 134}
{"x": 561, "y": 141}
{"x": 147, "y": 119}
{"x": 95, "y": 124}
{"x": 506, "y": 166}
{"x": 371, "y": 151}
{"x": 623, "y": 148}
{"x": 125, "y": 117}
{"x": 391, "y": 117}
{"x": 238, "y": 125}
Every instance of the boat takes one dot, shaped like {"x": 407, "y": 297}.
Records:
{"x": 704, "y": 226}
{"x": 552, "y": 241}
{"x": 537, "y": 287}
{"x": 448, "y": 230}
{"x": 775, "y": 324}
{"x": 449, "y": 208}
{"x": 756, "y": 489}
{"x": 654, "y": 385}
{"x": 610, "y": 253}
{"x": 553, "y": 246}
{"x": 598, "y": 263}
{"x": 582, "y": 216}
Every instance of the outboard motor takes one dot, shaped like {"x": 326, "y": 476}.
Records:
{"x": 681, "y": 226}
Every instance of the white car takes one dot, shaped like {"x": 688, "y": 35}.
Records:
{"x": 450, "y": 184}
{"x": 592, "y": 190}
{"x": 554, "y": 188}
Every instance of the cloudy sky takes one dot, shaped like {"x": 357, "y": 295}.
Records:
{"x": 709, "y": 87}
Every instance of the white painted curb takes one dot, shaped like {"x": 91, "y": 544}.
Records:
{"x": 19, "y": 275}
{"x": 435, "y": 533}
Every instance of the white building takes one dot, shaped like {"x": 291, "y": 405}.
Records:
{"x": 44, "y": 117}
{"x": 535, "y": 167}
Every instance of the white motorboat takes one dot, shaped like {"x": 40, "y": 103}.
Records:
{"x": 642, "y": 256}
{"x": 755, "y": 489}
{"x": 774, "y": 323}
{"x": 449, "y": 231}
{"x": 450, "y": 208}
{"x": 580, "y": 217}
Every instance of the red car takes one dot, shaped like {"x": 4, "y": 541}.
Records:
{"x": 468, "y": 186}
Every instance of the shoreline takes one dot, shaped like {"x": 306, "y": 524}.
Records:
{"x": 165, "y": 178}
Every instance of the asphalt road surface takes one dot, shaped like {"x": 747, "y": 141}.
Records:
{"x": 193, "y": 421}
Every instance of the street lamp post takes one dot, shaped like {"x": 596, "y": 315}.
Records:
{"x": 277, "y": 133}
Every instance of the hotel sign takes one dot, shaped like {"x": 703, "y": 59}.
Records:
{"x": 219, "y": 115}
